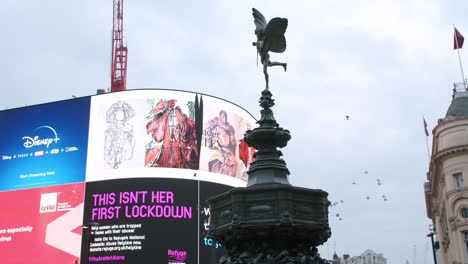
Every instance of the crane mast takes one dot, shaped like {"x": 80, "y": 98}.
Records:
{"x": 119, "y": 50}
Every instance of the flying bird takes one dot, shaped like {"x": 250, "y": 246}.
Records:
{"x": 365, "y": 172}
{"x": 367, "y": 197}
{"x": 347, "y": 117}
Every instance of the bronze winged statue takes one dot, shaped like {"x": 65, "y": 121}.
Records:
{"x": 270, "y": 37}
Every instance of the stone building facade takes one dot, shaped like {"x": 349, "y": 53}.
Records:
{"x": 367, "y": 257}
{"x": 446, "y": 192}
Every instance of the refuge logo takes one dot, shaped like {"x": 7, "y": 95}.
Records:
{"x": 176, "y": 256}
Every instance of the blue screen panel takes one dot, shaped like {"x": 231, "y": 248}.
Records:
{"x": 44, "y": 145}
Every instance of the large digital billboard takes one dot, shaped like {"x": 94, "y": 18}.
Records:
{"x": 149, "y": 220}
{"x": 150, "y": 130}
{"x": 44, "y": 145}
{"x": 118, "y": 178}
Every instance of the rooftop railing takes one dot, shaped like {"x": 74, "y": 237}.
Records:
{"x": 460, "y": 86}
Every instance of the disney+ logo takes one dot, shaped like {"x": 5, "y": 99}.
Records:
{"x": 37, "y": 141}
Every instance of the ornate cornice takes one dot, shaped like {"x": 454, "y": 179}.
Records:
{"x": 449, "y": 152}
{"x": 436, "y": 160}
{"x": 457, "y": 193}
{"x": 460, "y": 224}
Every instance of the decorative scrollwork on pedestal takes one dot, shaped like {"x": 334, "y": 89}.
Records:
{"x": 266, "y": 253}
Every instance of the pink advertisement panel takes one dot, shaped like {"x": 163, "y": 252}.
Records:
{"x": 42, "y": 225}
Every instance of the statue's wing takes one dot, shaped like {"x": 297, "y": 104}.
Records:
{"x": 260, "y": 21}
{"x": 274, "y": 35}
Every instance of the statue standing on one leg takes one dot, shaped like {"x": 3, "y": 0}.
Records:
{"x": 270, "y": 37}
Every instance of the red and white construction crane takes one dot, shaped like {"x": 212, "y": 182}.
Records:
{"x": 119, "y": 50}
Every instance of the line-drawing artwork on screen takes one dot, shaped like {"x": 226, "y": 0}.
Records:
{"x": 119, "y": 143}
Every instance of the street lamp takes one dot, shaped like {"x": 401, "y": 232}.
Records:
{"x": 435, "y": 245}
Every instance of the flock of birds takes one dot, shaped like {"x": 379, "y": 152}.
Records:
{"x": 368, "y": 196}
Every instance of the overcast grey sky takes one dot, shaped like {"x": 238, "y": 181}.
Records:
{"x": 383, "y": 63}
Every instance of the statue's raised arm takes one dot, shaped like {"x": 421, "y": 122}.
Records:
{"x": 270, "y": 37}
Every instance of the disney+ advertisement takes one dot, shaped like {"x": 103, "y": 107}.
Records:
{"x": 44, "y": 145}
{"x": 146, "y": 220}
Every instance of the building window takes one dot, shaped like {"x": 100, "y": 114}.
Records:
{"x": 466, "y": 241}
{"x": 458, "y": 180}
{"x": 464, "y": 212}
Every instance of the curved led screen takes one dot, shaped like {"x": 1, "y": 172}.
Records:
{"x": 118, "y": 178}
{"x": 146, "y": 130}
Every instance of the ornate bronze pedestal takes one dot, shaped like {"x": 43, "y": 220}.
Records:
{"x": 270, "y": 221}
